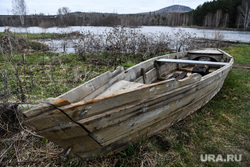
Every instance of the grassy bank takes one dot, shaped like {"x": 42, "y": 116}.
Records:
{"x": 219, "y": 128}
{"x": 41, "y": 35}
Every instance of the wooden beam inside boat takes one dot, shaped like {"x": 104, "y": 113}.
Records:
{"x": 180, "y": 61}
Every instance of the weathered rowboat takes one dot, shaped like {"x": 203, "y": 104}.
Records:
{"x": 103, "y": 115}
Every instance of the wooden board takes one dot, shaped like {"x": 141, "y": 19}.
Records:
{"x": 206, "y": 51}
{"x": 192, "y": 62}
{"x": 120, "y": 87}
{"x": 89, "y": 87}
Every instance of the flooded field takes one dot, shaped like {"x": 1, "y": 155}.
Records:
{"x": 154, "y": 34}
{"x": 241, "y": 36}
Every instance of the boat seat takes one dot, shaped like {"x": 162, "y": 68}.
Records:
{"x": 120, "y": 87}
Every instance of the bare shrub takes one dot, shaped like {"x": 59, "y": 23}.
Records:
{"x": 182, "y": 40}
{"x": 85, "y": 43}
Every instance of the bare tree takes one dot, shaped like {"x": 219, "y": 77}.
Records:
{"x": 244, "y": 10}
{"x": 19, "y": 8}
{"x": 65, "y": 10}
{"x": 63, "y": 16}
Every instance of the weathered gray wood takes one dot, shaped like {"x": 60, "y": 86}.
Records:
{"x": 159, "y": 111}
{"x": 148, "y": 131}
{"x": 101, "y": 89}
{"x": 120, "y": 87}
{"x": 89, "y": 87}
{"x": 88, "y": 125}
{"x": 191, "y": 62}
{"x": 206, "y": 51}
{"x": 65, "y": 131}
{"x": 112, "y": 117}
{"x": 134, "y": 72}
{"x": 115, "y": 120}
{"x": 86, "y": 109}
{"x": 85, "y": 89}
{"x": 122, "y": 113}
{"x": 43, "y": 107}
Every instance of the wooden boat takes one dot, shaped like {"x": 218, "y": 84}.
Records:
{"x": 103, "y": 115}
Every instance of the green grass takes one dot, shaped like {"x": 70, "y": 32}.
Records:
{"x": 38, "y": 35}
{"x": 45, "y": 75}
{"x": 241, "y": 54}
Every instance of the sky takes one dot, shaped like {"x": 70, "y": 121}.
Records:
{"x": 109, "y": 6}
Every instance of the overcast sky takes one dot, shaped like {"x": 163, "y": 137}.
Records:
{"x": 110, "y": 6}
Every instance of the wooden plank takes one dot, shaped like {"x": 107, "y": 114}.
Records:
{"x": 85, "y": 89}
{"x": 43, "y": 107}
{"x": 192, "y": 62}
{"x": 101, "y": 89}
{"x": 120, "y": 87}
{"x": 150, "y": 77}
{"x": 206, "y": 51}
{"x": 89, "y": 87}
{"x": 62, "y": 132}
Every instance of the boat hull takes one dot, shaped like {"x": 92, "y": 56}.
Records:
{"x": 108, "y": 124}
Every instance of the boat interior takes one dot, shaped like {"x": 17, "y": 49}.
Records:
{"x": 146, "y": 73}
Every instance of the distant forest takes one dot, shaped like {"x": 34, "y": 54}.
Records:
{"x": 214, "y": 14}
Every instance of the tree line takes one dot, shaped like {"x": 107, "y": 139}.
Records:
{"x": 214, "y": 14}
{"x": 222, "y": 13}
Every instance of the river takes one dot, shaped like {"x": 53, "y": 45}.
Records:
{"x": 228, "y": 35}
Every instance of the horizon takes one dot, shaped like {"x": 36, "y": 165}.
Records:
{"x": 97, "y": 6}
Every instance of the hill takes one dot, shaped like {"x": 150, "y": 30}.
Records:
{"x": 175, "y": 8}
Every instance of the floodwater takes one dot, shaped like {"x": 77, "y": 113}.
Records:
{"x": 228, "y": 35}
{"x": 62, "y": 45}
